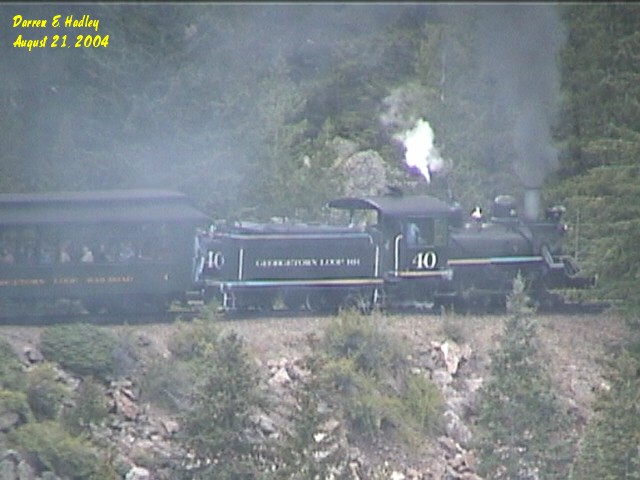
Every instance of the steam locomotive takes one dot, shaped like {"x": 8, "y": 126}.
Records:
{"x": 414, "y": 250}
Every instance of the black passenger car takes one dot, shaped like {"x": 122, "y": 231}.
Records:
{"x": 116, "y": 250}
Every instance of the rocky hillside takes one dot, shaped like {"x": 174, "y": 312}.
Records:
{"x": 454, "y": 351}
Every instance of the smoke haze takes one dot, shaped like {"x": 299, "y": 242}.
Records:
{"x": 192, "y": 96}
{"x": 518, "y": 48}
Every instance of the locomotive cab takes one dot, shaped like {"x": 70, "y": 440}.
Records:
{"x": 413, "y": 243}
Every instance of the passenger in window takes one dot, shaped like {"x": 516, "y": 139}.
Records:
{"x": 46, "y": 254}
{"x": 127, "y": 253}
{"x": 7, "y": 257}
{"x": 64, "y": 255}
{"x": 101, "y": 255}
{"x": 413, "y": 234}
{"x": 28, "y": 253}
{"x": 87, "y": 255}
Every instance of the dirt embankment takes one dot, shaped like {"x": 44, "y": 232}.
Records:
{"x": 570, "y": 346}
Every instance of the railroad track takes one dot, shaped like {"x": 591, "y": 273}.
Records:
{"x": 196, "y": 311}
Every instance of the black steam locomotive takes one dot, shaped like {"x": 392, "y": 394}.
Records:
{"x": 417, "y": 250}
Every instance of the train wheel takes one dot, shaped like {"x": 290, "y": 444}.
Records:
{"x": 95, "y": 306}
{"x": 264, "y": 303}
{"x": 138, "y": 304}
{"x": 295, "y": 300}
{"x": 358, "y": 302}
{"x": 322, "y": 301}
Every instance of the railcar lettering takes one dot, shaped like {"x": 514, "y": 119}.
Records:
{"x": 110, "y": 279}
{"x": 307, "y": 262}
{"x": 425, "y": 260}
{"x": 66, "y": 281}
{"x": 22, "y": 282}
{"x": 286, "y": 262}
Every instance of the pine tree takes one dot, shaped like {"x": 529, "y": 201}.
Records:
{"x": 216, "y": 424}
{"x": 610, "y": 447}
{"x": 313, "y": 450}
{"x": 599, "y": 134}
{"x": 522, "y": 425}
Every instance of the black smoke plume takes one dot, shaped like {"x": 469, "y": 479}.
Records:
{"x": 518, "y": 48}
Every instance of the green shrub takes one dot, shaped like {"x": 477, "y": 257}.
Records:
{"x": 168, "y": 384}
{"x": 422, "y": 401}
{"x": 374, "y": 412}
{"x": 56, "y": 450}
{"x": 361, "y": 369}
{"x": 305, "y": 454}
{"x": 193, "y": 339}
{"x": 12, "y": 376}
{"x": 362, "y": 338}
{"x": 367, "y": 405}
{"x": 125, "y": 354}
{"x": 44, "y": 393}
{"x": 14, "y": 409}
{"x": 90, "y": 407}
{"x": 81, "y": 348}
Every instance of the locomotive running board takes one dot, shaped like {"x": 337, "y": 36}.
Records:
{"x": 446, "y": 274}
{"x": 470, "y": 262}
{"x": 299, "y": 283}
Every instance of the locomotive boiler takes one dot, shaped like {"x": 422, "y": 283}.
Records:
{"x": 487, "y": 254}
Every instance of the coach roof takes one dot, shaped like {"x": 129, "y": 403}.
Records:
{"x": 398, "y": 206}
{"x": 97, "y": 207}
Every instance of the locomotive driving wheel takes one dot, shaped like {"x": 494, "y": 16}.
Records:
{"x": 321, "y": 301}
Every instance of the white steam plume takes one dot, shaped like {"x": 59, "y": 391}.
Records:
{"x": 420, "y": 153}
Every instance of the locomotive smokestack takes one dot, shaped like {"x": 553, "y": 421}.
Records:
{"x": 532, "y": 204}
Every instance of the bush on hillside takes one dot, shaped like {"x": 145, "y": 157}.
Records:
{"x": 88, "y": 409}
{"x": 194, "y": 339}
{"x": 362, "y": 369}
{"x": 45, "y": 393}
{"x": 56, "y": 450}
{"x": 14, "y": 409}
{"x": 609, "y": 448}
{"x": 12, "y": 376}
{"x": 81, "y": 348}
{"x": 523, "y": 428}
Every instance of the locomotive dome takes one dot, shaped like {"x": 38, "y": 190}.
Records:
{"x": 504, "y": 206}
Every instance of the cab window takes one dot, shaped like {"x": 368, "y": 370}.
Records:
{"x": 425, "y": 231}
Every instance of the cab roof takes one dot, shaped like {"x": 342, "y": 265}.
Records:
{"x": 396, "y": 206}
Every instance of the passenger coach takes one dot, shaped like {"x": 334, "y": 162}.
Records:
{"x": 127, "y": 250}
